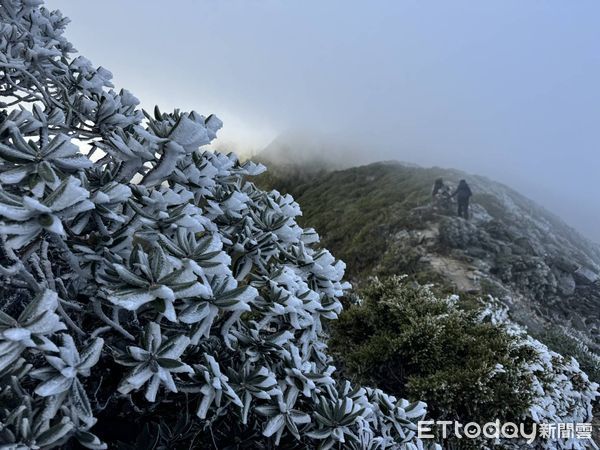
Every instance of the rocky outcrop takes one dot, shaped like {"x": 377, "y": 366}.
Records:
{"x": 379, "y": 219}
{"x": 544, "y": 276}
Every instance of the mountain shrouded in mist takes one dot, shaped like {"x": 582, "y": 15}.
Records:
{"x": 380, "y": 220}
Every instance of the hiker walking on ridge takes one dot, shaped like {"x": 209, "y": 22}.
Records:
{"x": 463, "y": 194}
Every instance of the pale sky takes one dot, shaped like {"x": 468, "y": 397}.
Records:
{"x": 509, "y": 89}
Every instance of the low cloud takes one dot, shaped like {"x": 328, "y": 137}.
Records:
{"x": 507, "y": 89}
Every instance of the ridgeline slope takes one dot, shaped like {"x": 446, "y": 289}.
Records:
{"x": 380, "y": 219}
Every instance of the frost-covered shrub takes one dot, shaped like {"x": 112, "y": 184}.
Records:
{"x": 562, "y": 392}
{"x": 468, "y": 364}
{"x": 567, "y": 341}
{"x": 150, "y": 292}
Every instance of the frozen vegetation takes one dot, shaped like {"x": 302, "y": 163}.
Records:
{"x": 153, "y": 277}
{"x": 151, "y": 293}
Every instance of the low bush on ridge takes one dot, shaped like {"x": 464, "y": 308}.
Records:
{"x": 468, "y": 364}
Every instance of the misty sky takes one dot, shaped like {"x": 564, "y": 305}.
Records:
{"x": 507, "y": 89}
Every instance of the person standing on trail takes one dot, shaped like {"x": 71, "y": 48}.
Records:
{"x": 440, "y": 195}
{"x": 438, "y": 186}
{"x": 463, "y": 194}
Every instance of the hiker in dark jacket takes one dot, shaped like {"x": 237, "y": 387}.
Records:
{"x": 463, "y": 194}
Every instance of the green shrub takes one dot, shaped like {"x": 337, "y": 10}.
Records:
{"x": 404, "y": 339}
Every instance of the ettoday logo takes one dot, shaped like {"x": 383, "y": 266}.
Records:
{"x": 509, "y": 430}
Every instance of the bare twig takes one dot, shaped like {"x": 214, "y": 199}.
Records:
{"x": 98, "y": 310}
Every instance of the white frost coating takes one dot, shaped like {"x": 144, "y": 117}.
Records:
{"x": 563, "y": 393}
{"x": 189, "y": 134}
{"x": 194, "y": 279}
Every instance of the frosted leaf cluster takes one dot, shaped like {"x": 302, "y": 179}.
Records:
{"x": 139, "y": 270}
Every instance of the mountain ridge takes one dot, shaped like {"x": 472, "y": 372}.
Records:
{"x": 380, "y": 219}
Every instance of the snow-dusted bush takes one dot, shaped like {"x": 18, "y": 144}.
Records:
{"x": 142, "y": 277}
{"x": 562, "y": 392}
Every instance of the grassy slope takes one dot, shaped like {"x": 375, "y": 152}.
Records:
{"x": 355, "y": 210}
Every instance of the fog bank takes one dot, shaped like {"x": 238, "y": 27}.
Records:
{"x": 506, "y": 89}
